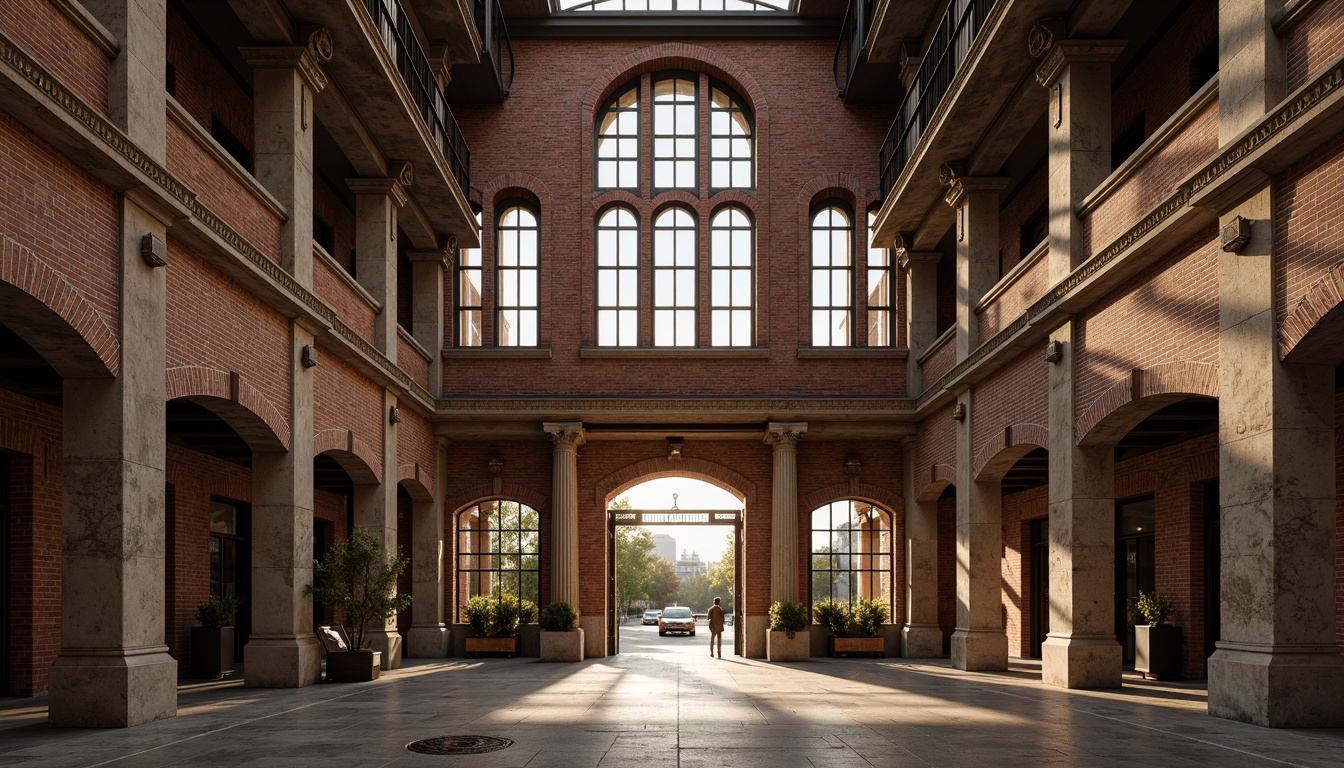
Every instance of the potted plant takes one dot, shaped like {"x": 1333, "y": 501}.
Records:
{"x": 494, "y": 624}
{"x": 212, "y": 648}
{"x": 788, "y": 638}
{"x": 863, "y": 622}
{"x": 359, "y": 576}
{"x": 561, "y": 638}
{"x": 1157, "y": 645}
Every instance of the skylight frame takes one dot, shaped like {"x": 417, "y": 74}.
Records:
{"x": 671, "y": 7}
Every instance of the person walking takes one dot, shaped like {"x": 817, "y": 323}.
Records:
{"x": 716, "y": 628}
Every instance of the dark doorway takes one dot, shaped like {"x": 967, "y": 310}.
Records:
{"x": 1135, "y": 567}
{"x": 1040, "y": 584}
{"x": 5, "y": 565}
{"x": 406, "y": 580}
{"x": 230, "y": 563}
{"x": 1213, "y": 559}
{"x": 323, "y": 537}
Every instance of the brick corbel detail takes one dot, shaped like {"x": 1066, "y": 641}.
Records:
{"x": 419, "y": 483}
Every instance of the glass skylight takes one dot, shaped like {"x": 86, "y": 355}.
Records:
{"x": 674, "y": 6}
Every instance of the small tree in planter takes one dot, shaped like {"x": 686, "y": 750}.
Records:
{"x": 494, "y": 624}
{"x": 832, "y": 615}
{"x": 788, "y": 639}
{"x": 359, "y": 576}
{"x": 212, "y": 643}
{"x": 866, "y": 618}
{"x": 1157, "y": 645}
{"x": 561, "y": 638}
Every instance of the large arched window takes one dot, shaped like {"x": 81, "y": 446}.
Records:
{"x": 832, "y": 277}
{"x": 518, "y": 276}
{"x": 731, "y": 273}
{"x": 851, "y": 553}
{"x": 731, "y": 159}
{"x": 468, "y": 295}
{"x": 881, "y": 293}
{"x": 674, "y": 278}
{"x": 618, "y": 278}
{"x": 674, "y": 133}
{"x": 618, "y": 142}
{"x": 498, "y": 551}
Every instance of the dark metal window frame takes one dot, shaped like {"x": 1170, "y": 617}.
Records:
{"x": 599, "y": 308}
{"x": 500, "y": 269}
{"x": 496, "y": 551}
{"x": 715, "y": 271}
{"x": 460, "y": 309}
{"x": 812, "y": 227}
{"x": 738, "y": 105}
{"x": 889, "y": 271}
{"x": 612, "y": 106}
{"x": 654, "y": 271}
{"x": 654, "y": 135}
{"x": 833, "y": 558}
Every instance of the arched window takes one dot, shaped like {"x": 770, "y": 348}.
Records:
{"x": 881, "y": 293}
{"x": 674, "y": 258}
{"x": 851, "y": 553}
{"x": 618, "y": 142}
{"x": 518, "y": 276}
{"x": 731, "y": 157}
{"x": 468, "y": 295}
{"x": 498, "y": 551}
{"x": 731, "y": 285}
{"x": 832, "y": 277}
{"x": 674, "y": 133}
{"x": 618, "y": 278}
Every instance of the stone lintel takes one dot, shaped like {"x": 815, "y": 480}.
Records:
{"x": 434, "y": 256}
{"x": 288, "y": 57}
{"x": 905, "y": 258}
{"x": 391, "y": 188}
{"x": 1069, "y": 51}
{"x": 960, "y": 186}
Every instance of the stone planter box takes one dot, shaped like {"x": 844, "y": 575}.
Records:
{"x": 778, "y": 646}
{"x": 562, "y": 646}
{"x": 353, "y": 666}
{"x": 211, "y": 652}
{"x": 842, "y": 646}
{"x": 502, "y": 645}
{"x": 1157, "y": 651}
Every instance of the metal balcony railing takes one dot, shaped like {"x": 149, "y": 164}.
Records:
{"x": 952, "y": 42}
{"x": 489, "y": 18}
{"x": 853, "y": 32}
{"x": 399, "y": 39}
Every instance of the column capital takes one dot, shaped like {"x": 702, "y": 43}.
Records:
{"x": 908, "y": 259}
{"x": 565, "y": 433}
{"x": 442, "y": 258}
{"x": 390, "y": 188}
{"x": 306, "y": 59}
{"x": 1066, "y": 52}
{"x": 958, "y": 187}
{"x": 782, "y": 433}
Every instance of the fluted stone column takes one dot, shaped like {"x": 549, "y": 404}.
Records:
{"x": 784, "y": 508}
{"x": 376, "y": 204}
{"x": 1080, "y": 650}
{"x": 979, "y": 642}
{"x": 566, "y": 437}
{"x": 428, "y": 636}
{"x": 921, "y": 637}
{"x": 376, "y": 512}
{"x": 921, "y": 315}
{"x": 976, "y": 201}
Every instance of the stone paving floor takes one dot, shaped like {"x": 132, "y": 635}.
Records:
{"x": 663, "y": 702}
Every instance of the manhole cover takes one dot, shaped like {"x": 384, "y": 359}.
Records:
{"x": 459, "y": 745}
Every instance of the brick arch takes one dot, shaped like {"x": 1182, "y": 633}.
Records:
{"x": 516, "y": 180}
{"x": 1001, "y": 451}
{"x": 675, "y": 197}
{"x": 233, "y": 399}
{"x": 878, "y": 496}
{"x": 20, "y": 438}
{"x": 932, "y": 483}
{"x": 417, "y": 482}
{"x": 843, "y": 185}
{"x": 355, "y": 456}
{"x": 1141, "y": 394}
{"x": 53, "y": 317}
{"x": 684, "y": 56}
{"x": 733, "y": 197}
{"x": 461, "y": 498}
{"x": 1314, "y": 329}
{"x": 651, "y": 469}
{"x": 618, "y": 197}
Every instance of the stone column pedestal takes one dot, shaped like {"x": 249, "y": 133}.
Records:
{"x": 376, "y": 512}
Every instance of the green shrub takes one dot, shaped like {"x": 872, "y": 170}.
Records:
{"x": 788, "y": 617}
{"x": 477, "y": 611}
{"x": 832, "y": 615}
{"x": 866, "y": 617}
{"x": 559, "y": 616}
{"x": 218, "y": 612}
{"x": 494, "y": 615}
{"x": 527, "y": 612}
{"x": 1155, "y": 608}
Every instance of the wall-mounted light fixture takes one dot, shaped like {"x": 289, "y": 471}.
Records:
{"x": 1054, "y": 351}
{"x": 959, "y": 412}
{"x": 308, "y": 356}
{"x": 674, "y": 448}
{"x": 853, "y": 466}
{"x": 1236, "y": 235}
{"x": 394, "y": 415}
{"x": 495, "y": 465}
{"x": 153, "y": 250}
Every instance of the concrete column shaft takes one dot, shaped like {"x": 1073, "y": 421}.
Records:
{"x": 921, "y": 316}
{"x": 1252, "y": 71}
{"x": 921, "y": 553}
{"x": 976, "y": 201}
{"x": 567, "y": 438}
{"x": 428, "y": 268}
{"x": 784, "y": 510}
{"x": 136, "y": 94}
{"x": 376, "y": 512}
{"x": 376, "y": 205}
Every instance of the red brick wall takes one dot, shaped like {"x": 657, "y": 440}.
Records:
{"x": 349, "y": 305}
{"x": 1307, "y": 241}
{"x": 943, "y": 359}
{"x": 1025, "y": 203}
{"x": 947, "y": 568}
{"x": 329, "y": 207}
{"x": 1019, "y": 509}
{"x": 1016, "y": 299}
{"x": 344, "y": 399}
{"x": 205, "y": 88}
{"x": 415, "y": 444}
{"x": 412, "y": 362}
{"x": 1316, "y": 40}
{"x": 58, "y": 45}
{"x": 1339, "y": 516}
{"x": 1017, "y": 393}
{"x": 936, "y": 443}
{"x": 1160, "y": 83}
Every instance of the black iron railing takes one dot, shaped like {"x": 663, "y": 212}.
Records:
{"x": 849, "y": 49}
{"x": 410, "y": 59}
{"x": 489, "y": 18}
{"x": 951, "y": 44}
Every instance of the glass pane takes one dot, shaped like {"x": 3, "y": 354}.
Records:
{"x": 719, "y": 288}
{"x": 685, "y": 287}
{"x": 686, "y": 328}
{"x": 742, "y": 328}
{"x": 470, "y": 332}
{"x": 629, "y": 328}
{"x": 662, "y": 288}
{"x": 820, "y": 282}
{"x": 606, "y": 288}
{"x": 741, "y": 288}
{"x": 606, "y": 175}
{"x": 629, "y": 288}
{"x": 508, "y": 288}
{"x": 663, "y": 177}
{"x": 720, "y": 175}
{"x": 223, "y": 518}
{"x": 821, "y": 336}
{"x": 662, "y": 328}
{"x": 528, "y": 289}
{"x": 606, "y": 328}
{"x": 527, "y": 247}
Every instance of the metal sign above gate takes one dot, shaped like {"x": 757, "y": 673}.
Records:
{"x": 676, "y": 516}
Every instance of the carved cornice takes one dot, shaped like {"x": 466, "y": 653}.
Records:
{"x": 1043, "y": 35}
{"x": 1070, "y": 51}
{"x": 784, "y": 434}
{"x": 905, "y": 259}
{"x": 288, "y": 57}
{"x": 960, "y": 186}
{"x": 565, "y": 433}
{"x": 842, "y": 406}
{"x": 390, "y": 188}
{"x": 443, "y": 258}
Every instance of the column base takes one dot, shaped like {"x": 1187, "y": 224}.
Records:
{"x": 428, "y": 642}
{"x": 980, "y": 650}
{"x": 754, "y": 630}
{"x": 923, "y": 641}
{"x": 1278, "y": 686}
{"x": 389, "y": 642}
{"x": 1081, "y": 661}
{"x": 281, "y": 661}
{"x": 594, "y": 636}
{"x": 115, "y": 688}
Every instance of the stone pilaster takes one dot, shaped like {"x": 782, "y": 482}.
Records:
{"x": 1278, "y": 662}
{"x": 566, "y": 437}
{"x": 282, "y": 651}
{"x": 136, "y": 99}
{"x": 784, "y": 507}
{"x": 1252, "y": 73}
{"x": 1080, "y": 651}
{"x": 285, "y": 80}
{"x": 921, "y": 314}
{"x": 376, "y": 512}
{"x": 976, "y": 201}
{"x": 1077, "y": 76}
{"x": 114, "y": 669}
{"x": 428, "y": 638}
{"x": 376, "y": 204}
{"x": 979, "y": 642}
{"x": 921, "y": 637}
{"x": 429, "y": 268}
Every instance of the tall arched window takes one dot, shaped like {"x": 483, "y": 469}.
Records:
{"x": 674, "y": 268}
{"x": 731, "y": 159}
{"x": 881, "y": 293}
{"x": 618, "y": 142}
{"x": 518, "y": 276}
{"x": 851, "y": 553}
{"x": 731, "y": 285}
{"x": 832, "y": 277}
{"x": 468, "y": 295}
{"x": 674, "y": 133}
{"x": 618, "y": 278}
{"x": 498, "y": 551}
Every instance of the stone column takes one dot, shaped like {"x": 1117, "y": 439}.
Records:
{"x": 979, "y": 642}
{"x": 1077, "y": 75}
{"x": 136, "y": 93}
{"x": 921, "y": 310}
{"x": 1278, "y": 662}
{"x": 429, "y": 269}
{"x": 1252, "y": 72}
{"x": 114, "y": 669}
{"x": 285, "y": 80}
{"x": 976, "y": 201}
{"x": 784, "y": 508}
{"x": 428, "y": 637}
{"x": 567, "y": 437}
{"x": 1080, "y": 651}
{"x": 376, "y": 512}
{"x": 921, "y": 637}
{"x": 282, "y": 651}
{"x": 376, "y": 205}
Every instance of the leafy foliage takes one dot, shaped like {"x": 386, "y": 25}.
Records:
{"x": 723, "y": 576}
{"x": 359, "y": 576}
{"x": 866, "y": 617}
{"x": 641, "y": 575}
{"x": 788, "y": 617}
{"x": 1154, "y": 607}
{"x": 527, "y": 612}
{"x": 832, "y": 615}
{"x": 494, "y": 615}
{"x": 218, "y": 612}
{"x": 559, "y": 616}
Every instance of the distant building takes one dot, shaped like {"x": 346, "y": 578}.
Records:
{"x": 665, "y": 547}
{"x": 689, "y": 565}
